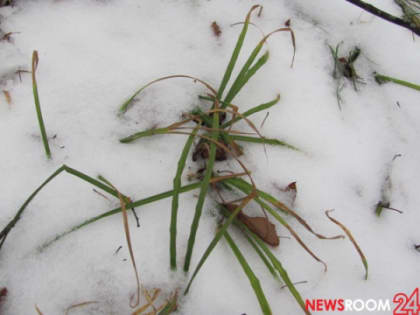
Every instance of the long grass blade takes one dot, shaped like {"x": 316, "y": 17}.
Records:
{"x": 263, "y": 141}
{"x": 135, "y": 204}
{"x": 6, "y": 230}
{"x": 255, "y": 283}
{"x": 246, "y": 73}
{"x": 130, "y": 248}
{"x": 235, "y": 53}
{"x": 44, "y": 136}
{"x": 217, "y": 238}
{"x": 248, "y": 70}
{"x": 252, "y": 111}
{"x": 145, "y": 133}
{"x": 348, "y": 233}
{"x": 124, "y": 107}
{"x": 264, "y": 259}
{"x": 282, "y": 272}
{"x": 274, "y": 261}
{"x": 244, "y": 188}
{"x": 175, "y": 197}
{"x": 383, "y": 79}
{"x": 203, "y": 192}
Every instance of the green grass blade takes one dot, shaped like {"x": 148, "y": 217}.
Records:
{"x": 235, "y": 54}
{"x": 207, "y": 121}
{"x": 263, "y": 141}
{"x": 274, "y": 262}
{"x": 38, "y": 105}
{"x": 246, "y": 73}
{"x": 243, "y": 186}
{"x": 252, "y": 111}
{"x": 12, "y": 223}
{"x": 131, "y": 205}
{"x": 255, "y": 283}
{"x": 264, "y": 259}
{"x": 175, "y": 197}
{"x": 283, "y": 273}
{"x": 216, "y": 239}
{"x": 383, "y": 79}
{"x": 203, "y": 192}
{"x": 91, "y": 180}
{"x": 145, "y": 133}
{"x": 170, "y": 307}
{"x": 208, "y": 98}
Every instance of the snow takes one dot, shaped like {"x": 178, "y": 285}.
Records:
{"x": 94, "y": 54}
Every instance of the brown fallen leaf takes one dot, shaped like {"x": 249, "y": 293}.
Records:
{"x": 8, "y": 97}
{"x": 261, "y": 226}
{"x": 216, "y": 29}
{"x": 291, "y": 191}
{"x": 3, "y": 295}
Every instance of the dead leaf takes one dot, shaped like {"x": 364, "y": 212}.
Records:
{"x": 216, "y": 29}
{"x": 261, "y": 226}
{"x": 8, "y": 97}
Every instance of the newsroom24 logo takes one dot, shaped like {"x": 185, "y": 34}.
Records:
{"x": 403, "y": 304}
{"x": 407, "y": 305}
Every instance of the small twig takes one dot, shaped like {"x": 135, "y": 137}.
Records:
{"x": 118, "y": 249}
{"x": 348, "y": 233}
{"x": 386, "y": 16}
{"x": 294, "y": 283}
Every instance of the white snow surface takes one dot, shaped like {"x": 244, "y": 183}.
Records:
{"x": 94, "y": 54}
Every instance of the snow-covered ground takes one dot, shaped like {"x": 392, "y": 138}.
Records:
{"x": 94, "y": 54}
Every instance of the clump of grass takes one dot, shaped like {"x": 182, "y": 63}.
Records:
{"x": 217, "y": 142}
{"x": 44, "y": 137}
{"x": 344, "y": 68}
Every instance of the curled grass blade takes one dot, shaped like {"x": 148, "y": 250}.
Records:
{"x": 175, "y": 197}
{"x": 350, "y": 236}
{"x": 235, "y": 54}
{"x": 380, "y": 79}
{"x": 243, "y": 186}
{"x": 124, "y": 107}
{"x": 252, "y": 111}
{"x": 217, "y": 237}
{"x": 44, "y": 136}
{"x": 255, "y": 283}
{"x": 130, "y": 248}
{"x": 203, "y": 192}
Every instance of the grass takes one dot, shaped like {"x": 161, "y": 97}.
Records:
{"x": 381, "y": 79}
{"x": 217, "y": 141}
{"x": 44, "y": 137}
